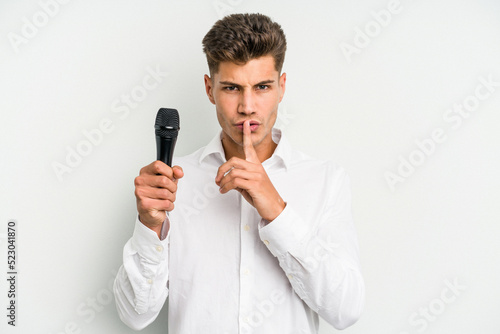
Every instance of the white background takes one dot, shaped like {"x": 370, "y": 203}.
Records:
{"x": 439, "y": 226}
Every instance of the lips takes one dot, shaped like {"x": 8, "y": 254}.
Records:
{"x": 254, "y": 125}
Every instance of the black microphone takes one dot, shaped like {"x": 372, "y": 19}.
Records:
{"x": 166, "y": 130}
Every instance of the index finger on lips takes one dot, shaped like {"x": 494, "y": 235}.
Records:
{"x": 250, "y": 154}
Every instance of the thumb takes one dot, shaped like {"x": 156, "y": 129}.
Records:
{"x": 178, "y": 172}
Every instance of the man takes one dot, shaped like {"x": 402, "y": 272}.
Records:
{"x": 261, "y": 238}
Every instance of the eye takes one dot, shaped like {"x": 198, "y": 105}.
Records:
{"x": 230, "y": 88}
{"x": 263, "y": 87}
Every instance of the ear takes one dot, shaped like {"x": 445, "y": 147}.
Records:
{"x": 282, "y": 83}
{"x": 209, "y": 88}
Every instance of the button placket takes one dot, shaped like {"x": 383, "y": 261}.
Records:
{"x": 248, "y": 239}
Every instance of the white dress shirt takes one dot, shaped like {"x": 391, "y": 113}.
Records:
{"x": 225, "y": 270}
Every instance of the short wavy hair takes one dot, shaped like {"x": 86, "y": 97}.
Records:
{"x": 238, "y": 38}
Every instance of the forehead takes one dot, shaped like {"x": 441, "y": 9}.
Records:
{"x": 253, "y": 71}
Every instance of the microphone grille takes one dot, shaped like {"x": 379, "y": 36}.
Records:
{"x": 167, "y": 123}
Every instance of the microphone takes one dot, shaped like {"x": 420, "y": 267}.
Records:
{"x": 166, "y": 131}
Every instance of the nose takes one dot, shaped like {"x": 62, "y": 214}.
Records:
{"x": 247, "y": 103}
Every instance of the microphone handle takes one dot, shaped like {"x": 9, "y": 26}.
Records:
{"x": 165, "y": 149}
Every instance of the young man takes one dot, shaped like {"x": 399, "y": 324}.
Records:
{"x": 261, "y": 238}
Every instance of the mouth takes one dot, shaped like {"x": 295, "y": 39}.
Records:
{"x": 254, "y": 125}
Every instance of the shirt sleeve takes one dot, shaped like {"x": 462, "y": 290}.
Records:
{"x": 141, "y": 285}
{"x": 321, "y": 257}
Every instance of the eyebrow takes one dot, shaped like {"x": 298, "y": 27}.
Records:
{"x": 229, "y": 83}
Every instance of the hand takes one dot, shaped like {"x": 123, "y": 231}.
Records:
{"x": 155, "y": 190}
{"x": 250, "y": 179}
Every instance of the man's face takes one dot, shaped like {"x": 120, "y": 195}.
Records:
{"x": 246, "y": 92}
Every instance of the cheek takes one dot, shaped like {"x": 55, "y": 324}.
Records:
{"x": 220, "y": 116}
{"x": 272, "y": 106}
{"x": 226, "y": 106}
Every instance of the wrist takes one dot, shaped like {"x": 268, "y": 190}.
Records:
{"x": 155, "y": 227}
{"x": 279, "y": 207}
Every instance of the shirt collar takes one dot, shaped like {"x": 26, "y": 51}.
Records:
{"x": 282, "y": 152}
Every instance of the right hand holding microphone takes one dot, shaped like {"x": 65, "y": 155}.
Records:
{"x": 155, "y": 190}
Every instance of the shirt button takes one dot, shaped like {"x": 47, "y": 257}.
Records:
{"x": 150, "y": 281}
{"x": 266, "y": 242}
{"x": 246, "y": 228}
{"x": 159, "y": 248}
{"x": 246, "y": 272}
{"x": 290, "y": 276}
{"x": 246, "y": 319}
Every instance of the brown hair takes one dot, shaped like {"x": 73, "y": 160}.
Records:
{"x": 239, "y": 38}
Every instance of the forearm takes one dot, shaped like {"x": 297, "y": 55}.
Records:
{"x": 127, "y": 306}
{"x": 141, "y": 284}
{"x": 321, "y": 264}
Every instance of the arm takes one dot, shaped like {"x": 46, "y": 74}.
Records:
{"x": 319, "y": 254}
{"x": 141, "y": 285}
{"x": 321, "y": 258}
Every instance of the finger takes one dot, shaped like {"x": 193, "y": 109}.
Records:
{"x": 154, "y": 193}
{"x": 177, "y": 172}
{"x": 229, "y": 165}
{"x": 155, "y": 181}
{"x": 248, "y": 149}
{"x": 222, "y": 171}
{"x": 158, "y": 167}
{"x": 237, "y": 174}
{"x": 237, "y": 184}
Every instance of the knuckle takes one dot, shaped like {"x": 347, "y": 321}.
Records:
{"x": 164, "y": 181}
{"x": 156, "y": 167}
{"x": 141, "y": 205}
{"x": 140, "y": 193}
{"x": 138, "y": 181}
{"x": 165, "y": 193}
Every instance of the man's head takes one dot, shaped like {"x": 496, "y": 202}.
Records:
{"x": 245, "y": 54}
{"x": 239, "y": 38}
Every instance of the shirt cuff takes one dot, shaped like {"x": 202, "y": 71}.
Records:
{"x": 145, "y": 241}
{"x": 284, "y": 233}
